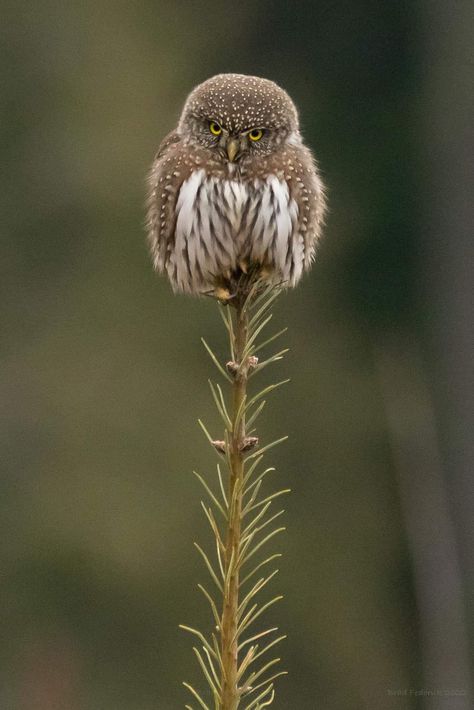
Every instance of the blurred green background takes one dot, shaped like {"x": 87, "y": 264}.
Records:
{"x": 103, "y": 375}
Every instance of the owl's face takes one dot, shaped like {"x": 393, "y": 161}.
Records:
{"x": 239, "y": 117}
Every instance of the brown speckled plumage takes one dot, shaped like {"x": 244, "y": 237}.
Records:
{"x": 222, "y": 204}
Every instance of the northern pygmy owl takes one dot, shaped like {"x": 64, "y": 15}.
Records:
{"x": 233, "y": 189}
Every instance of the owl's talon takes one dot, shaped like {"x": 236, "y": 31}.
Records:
{"x": 220, "y": 293}
{"x": 223, "y": 294}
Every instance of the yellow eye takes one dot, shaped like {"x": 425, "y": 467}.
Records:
{"x": 215, "y": 129}
{"x": 255, "y": 134}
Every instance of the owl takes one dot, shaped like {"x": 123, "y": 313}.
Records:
{"x": 233, "y": 190}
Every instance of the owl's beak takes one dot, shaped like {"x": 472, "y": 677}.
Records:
{"x": 232, "y": 148}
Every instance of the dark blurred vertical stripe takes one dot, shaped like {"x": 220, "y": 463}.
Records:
{"x": 447, "y": 111}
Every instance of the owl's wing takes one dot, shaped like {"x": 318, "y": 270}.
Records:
{"x": 164, "y": 181}
{"x": 307, "y": 189}
{"x": 168, "y": 141}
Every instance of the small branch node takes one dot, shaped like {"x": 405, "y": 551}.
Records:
{"x": 232, "y": 367}
{"x": 249, "y": 443}
{"x": 219, "y": 446}
{"x": 252, "y": 362}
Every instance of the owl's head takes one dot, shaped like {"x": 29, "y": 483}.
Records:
{"x": 239, "y": 116}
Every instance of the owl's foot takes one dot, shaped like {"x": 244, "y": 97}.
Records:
{"x": 244, "y": 266}
{"x": 243, "y": 284}
{"x": 266, "y": 273}
{"x": 220, "y": 293}
{"x": 223, "y": 294}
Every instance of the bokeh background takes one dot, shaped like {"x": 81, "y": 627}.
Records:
{"x": 103, "y": 376}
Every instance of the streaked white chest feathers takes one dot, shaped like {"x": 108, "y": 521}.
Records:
{"x": 223, "y": 225}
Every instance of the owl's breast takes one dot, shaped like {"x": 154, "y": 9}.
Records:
{"x": 222, "y": 222}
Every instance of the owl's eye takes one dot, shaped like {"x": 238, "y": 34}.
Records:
{"x": 255, "y": 134}
{"x": 215, "y": 129}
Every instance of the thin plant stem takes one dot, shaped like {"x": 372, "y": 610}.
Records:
{"x": 229, "y": 638}
{"x": 240, "y": 515}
